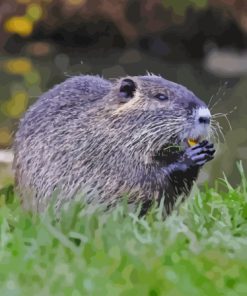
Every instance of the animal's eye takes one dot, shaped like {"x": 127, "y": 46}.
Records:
{"x": 161, "y": 97}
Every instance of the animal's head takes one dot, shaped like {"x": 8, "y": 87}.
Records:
{"x": 158, "y": 113}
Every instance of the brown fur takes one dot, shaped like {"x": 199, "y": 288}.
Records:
{"x": 82, "y": 138}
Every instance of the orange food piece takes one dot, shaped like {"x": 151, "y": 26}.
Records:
{"x": 192, "y": 142}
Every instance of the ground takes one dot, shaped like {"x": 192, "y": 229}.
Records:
{"x": 199, "y": 250}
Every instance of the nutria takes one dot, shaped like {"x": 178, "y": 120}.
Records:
{"x": 142, "y": 136}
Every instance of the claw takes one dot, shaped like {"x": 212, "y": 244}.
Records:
{"x": 201, "y": 153}
{"x": 202, "y": 144}
{"x": 211, "y": 151}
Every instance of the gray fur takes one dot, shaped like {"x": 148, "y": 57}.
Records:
{"x": 78, "y": 139}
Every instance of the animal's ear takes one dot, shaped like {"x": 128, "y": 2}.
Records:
{"x": 126, "y": 90}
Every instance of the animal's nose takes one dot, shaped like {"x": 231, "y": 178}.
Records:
{"x": 204, "y": 119}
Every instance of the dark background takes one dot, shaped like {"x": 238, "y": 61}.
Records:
{"x": 198, "y": 43}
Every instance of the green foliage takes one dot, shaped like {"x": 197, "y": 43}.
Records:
{"x": 199, "y": 250}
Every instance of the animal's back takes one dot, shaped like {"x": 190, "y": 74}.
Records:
{"x": 51, "y": 132}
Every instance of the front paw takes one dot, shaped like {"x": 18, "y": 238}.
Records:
{"x": 200, "y": 153}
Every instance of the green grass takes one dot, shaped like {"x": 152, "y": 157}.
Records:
{"x": 201, "y": 249}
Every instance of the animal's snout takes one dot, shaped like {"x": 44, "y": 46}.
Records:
{"x": 204, "y": 119}
{"x": 203, "y": 115}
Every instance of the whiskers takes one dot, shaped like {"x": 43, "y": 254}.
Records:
{"x": 216, "y": 131}
{"x": 219, "y": 95}
{"x": 154, "y": 136}
{"x": 216, "y": 128}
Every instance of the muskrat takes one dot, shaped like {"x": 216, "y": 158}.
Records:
{"x": 141, "y": 136}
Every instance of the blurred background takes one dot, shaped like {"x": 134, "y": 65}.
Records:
{"x": 199, "y": 43}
